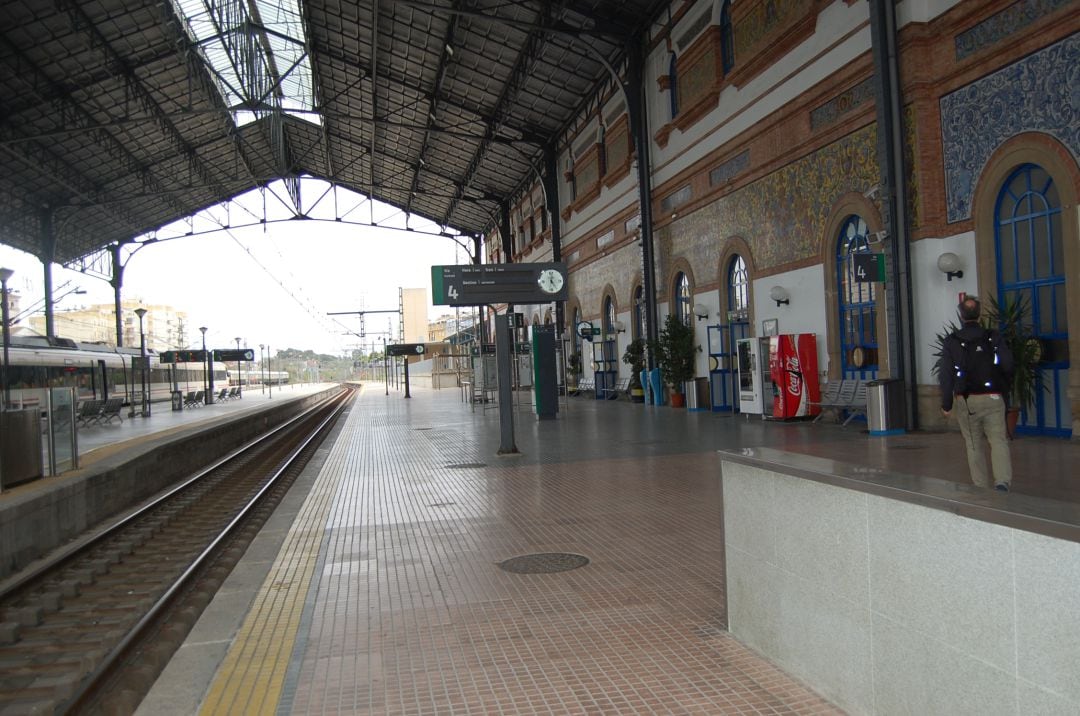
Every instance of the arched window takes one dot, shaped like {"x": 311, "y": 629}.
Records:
{"x": 857, "y": 304}
{"x": 639, "y": 329}
{"x": 609, "y": 316}
{"x": 727, "y": 38}
{"x": 1031, "y": 268}
{"x": 673, "y": 85}
{"x": 682, "y": 298}
{"x": 738, "y": 289}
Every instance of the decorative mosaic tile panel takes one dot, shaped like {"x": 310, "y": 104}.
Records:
{"x": 730, "y": 169}
{"x": 1040, "y": 93}
{"x": 781, "y": 216}
{"x": 841, "y": 104}
{"x": 1010, "y": 20}
{"x": 761, "y": 21}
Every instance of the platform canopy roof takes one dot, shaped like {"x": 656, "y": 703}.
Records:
{"x": 122, "y": 116}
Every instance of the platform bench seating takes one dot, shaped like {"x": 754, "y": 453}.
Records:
{"x": 111, "y": 410}
{"x": 585, "y": 385}
{"x": 193, "y": 399}
{"x": 88, "y": 413}
{"x": 622, "y": 387}
{"x": 843, "y": 396}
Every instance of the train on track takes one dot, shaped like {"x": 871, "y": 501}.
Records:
{"x": 99, "y": 371}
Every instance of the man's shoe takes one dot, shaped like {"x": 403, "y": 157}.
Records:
{"x": 1002, "y": 487}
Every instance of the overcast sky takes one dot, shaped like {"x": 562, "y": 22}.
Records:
{"x": 271, "y": 284}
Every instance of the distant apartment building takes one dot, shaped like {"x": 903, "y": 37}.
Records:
{"x": 164, "y": 326}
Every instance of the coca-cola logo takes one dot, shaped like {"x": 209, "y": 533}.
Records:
{"x": 794, "y": 375}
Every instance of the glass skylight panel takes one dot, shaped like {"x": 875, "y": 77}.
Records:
{"x": 256, "y": 54}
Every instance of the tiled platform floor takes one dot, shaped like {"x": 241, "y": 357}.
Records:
{"x": 407, "y": 611}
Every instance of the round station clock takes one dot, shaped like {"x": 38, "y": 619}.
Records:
{"x": 550, "y": 281}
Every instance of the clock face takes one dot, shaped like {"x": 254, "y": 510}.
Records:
{"x": 550, "y": 280}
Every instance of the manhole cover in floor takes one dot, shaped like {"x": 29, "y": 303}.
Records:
{"x": 466, "y": 465}
{"x": 544, "y": 563}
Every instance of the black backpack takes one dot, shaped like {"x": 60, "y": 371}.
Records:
{"x": 980, "y": 371}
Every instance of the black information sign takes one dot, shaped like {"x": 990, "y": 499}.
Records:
{"x": 184, "y": 356}
{"x": 231, "y": 355}
{"x": 869, "y": 268}
{"x": 405, "y": 349}
{"x": 498, "y": 283}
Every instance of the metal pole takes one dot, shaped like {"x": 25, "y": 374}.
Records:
{"x": 269, "y": 373}
{"x": 239, "y": 387}
{"x": 140, "y": 312}
{"x": 5, "y": 274}
{"x": 206, "y": 366}
{"x": 504, "y": 347}
{"x": 262, "y": 383}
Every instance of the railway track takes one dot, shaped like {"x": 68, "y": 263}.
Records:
{"x": 97, "y": 624}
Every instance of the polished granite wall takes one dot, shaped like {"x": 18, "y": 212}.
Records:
{"x": 884, "y": 606}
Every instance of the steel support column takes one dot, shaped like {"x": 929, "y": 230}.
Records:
{"x": 550, "y": 182}
{"x": 890, "y": 136}
{"x": 48, "y": 242}
{"x": 633, "y": 89}
{"x": 117, "y": 282}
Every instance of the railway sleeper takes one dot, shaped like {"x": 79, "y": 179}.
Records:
{"x": 27, "y": 616}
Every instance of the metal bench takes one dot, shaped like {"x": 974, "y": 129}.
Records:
{"x": 844, "y": 396}
{"x": 88, "y": 412}
{"x": 111, "y": 410}
{"x": 621, "y": 387}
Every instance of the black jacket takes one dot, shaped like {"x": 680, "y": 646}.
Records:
{"x": 952, "y": 356}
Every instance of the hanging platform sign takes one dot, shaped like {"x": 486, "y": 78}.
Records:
{"x": 182, "y": 356}
{"x": 231, "y": 355}
{"x": 472, "y": 285}
{"x": 405, "y": 349}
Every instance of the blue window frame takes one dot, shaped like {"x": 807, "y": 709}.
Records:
{"x": 1031, "y": 266}
{"x": 673, "y": 85}
{"x": 640, "y": 330}
{"x": 727, "y": 38}
{"x": 682, "y": 298}
{"x": 738, "y": 288}
{"x": 857, "y": 303}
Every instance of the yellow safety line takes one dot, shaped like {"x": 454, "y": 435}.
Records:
{"x": 252, "y": 675}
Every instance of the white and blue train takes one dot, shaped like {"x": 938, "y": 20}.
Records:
{"x": 102, "y": 371}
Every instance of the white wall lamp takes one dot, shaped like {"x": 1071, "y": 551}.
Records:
{"x": 701, "y": 311}
{"x": 950, "y": 265}
{"x": 618, "y": 326}
{"x": 780, "y": 295}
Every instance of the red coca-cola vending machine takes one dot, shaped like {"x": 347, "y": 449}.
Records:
{"x": 793, "y": 371}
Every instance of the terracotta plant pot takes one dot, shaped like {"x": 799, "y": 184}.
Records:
{"x": 1012, "y": 417}
{"x": 678, "y": 400}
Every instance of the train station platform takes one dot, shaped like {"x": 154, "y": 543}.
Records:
{"x": 121, "y": 463}
{"x": 413, "y": 571}
{"x": 97, "y": 442}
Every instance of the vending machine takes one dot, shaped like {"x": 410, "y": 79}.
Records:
{"x": 749, "y": 358}
{"x": 793, "y": 370}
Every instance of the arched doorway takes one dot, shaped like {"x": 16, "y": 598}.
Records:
{"x": 722, "y": 367}
{"x": 857, "y": 304}
{"x": 1030, "y": 267}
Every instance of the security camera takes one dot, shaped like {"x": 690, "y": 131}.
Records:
{"x": 876, "y": 237}
{"x": 873, "y": 192}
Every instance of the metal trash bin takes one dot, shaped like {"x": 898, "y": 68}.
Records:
{"x": 697, "y": 394}
{"x": 177, "y": 400}
{"x": 885, "y": 411}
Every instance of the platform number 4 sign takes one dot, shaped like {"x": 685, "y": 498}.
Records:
{"x": 452, "y": 292}
{"x": 869, "y": 267}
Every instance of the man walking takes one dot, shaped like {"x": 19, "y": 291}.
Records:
{"x": 974, "y": 373}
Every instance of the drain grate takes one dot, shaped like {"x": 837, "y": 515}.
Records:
{"x": 543, "y": 563}
{"x": 466, "y": 465}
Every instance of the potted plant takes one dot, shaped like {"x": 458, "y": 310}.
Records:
{"x": 634, "y": 356}
{"x": 1013, "y": 319}
{"x": 674, "y": 350}
{"x": 573, "y": 370}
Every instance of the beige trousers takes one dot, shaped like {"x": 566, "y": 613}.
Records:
{"x": 984, "y": 415}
